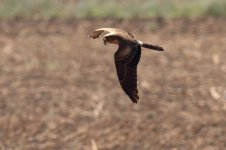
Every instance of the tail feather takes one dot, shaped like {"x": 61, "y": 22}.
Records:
{"x": 150, "y": 46}
{"x": 154, "y": 47}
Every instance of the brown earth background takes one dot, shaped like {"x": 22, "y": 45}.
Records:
{"x": 59, "y": 89}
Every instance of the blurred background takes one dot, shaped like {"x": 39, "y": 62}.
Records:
{"x": 59, "y": 89}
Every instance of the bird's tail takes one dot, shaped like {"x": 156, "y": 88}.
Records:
{"x": 150, "y": 46}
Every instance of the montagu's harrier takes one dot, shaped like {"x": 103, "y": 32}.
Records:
{"x": 126, "y": 57}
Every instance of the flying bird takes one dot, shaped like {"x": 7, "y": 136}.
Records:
{"x": 126, "y": 57}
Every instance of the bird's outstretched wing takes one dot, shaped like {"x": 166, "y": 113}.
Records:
{"x": 126, "y": 67}
{"x": 95, "y": 34}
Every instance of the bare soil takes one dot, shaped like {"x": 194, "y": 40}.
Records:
{"x": 59, "y": 89}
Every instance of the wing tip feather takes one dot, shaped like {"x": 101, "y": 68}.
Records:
{"x": 135, "y": 100}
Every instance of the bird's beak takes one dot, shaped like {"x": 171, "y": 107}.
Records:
{"x": 105, "y": 41}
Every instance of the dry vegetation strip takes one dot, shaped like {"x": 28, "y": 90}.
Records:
{"x": 55, "y": 92}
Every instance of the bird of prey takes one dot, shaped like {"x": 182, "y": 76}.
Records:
{"x": 126, "y": 57}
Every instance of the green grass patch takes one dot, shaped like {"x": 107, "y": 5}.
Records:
{"x": 46, "y": 9}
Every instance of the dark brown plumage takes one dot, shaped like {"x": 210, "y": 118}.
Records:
{"x": 126, "y": 57}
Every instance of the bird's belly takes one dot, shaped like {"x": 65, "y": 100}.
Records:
{"x": 124, "y": 53}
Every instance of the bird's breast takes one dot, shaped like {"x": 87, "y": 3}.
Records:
{"x": 115, "y": 41}
{"x": 123, "y": 53}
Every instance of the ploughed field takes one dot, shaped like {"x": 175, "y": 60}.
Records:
{"x": 59, "y": 89}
